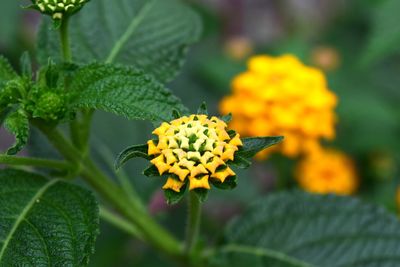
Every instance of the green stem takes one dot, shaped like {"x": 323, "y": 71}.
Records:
{"x": 119, "y": 222}
{"x": 35, "y": 162}
{"x": 64, "y": 37}
{"x": 152, "y": 231}
{"x": 193, "y": 223}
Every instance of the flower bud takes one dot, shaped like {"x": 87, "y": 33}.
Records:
{"x": 58, "y": 9}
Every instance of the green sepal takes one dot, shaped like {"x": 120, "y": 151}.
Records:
{"x": 26, "y": 65}
{"x": 201, "y": 193}
{"x": 151, "y": 171}
{"x": 17, "y": 123}
{"x": 240, "y": 162}
{"x": 51, "y": 74}
{"x": 136, "y": 151}
{"x": 253, "y": 145}
{"x": 176, "y": 114}
{"x": 173, "y": 197}
{"x": 226, "y": 118}
{"x": 232, "y": 133}
{"x": 229, "y": 183}
{"x": 203, "y": 109}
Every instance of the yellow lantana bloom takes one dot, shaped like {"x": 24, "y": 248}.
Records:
{"x": 193, "y": 149}
{"x": 282, "y": 96}
{"x": 328, "y": 171}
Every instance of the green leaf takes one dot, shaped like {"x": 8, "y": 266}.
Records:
{"x": 253, "y": 145}
{"x": 227, "y": 118}
{"x": 173, "y": 197}
{"x": 17, "y": 123}
{"x": 240, "y": 162}
{"x": 385, "y": 35}
{"x": 203, "y": 109}
{"x": 6, "y": 71}
{"x": 26, "y": 65}
{"x": 152, "y": 35}
{"x": 136, "y": 151}
{"x": 229, "y": 183}
{"x": 298, "y": 229}
{"x": 45, "y": 222}
{"x": 151, "y": 171}
{"x": 201, "y": 193}
{"x": 123, "y": 91}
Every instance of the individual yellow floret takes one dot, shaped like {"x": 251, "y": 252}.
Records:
{"x": 173, "y": 185}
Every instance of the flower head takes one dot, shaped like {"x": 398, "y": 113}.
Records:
{"x": 281, "y": 96}
{"x": 193, "y": 150}
{"x": 57, "y": 9}
{"x": 329, "y": 171}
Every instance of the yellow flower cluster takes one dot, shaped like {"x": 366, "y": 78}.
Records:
{"x": 328, "y": 171}
{"x": 281, "y": 96}
{"x": 193, "y": 149}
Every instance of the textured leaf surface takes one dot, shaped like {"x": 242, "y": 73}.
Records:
{"x": 385, "y": 35}
{"x": 17, "y": 123}
{"x": 45, "y": 222}
{"x": 253, "y": 145}
{"x": 298, "y": 229}
{"x": 136, "y": 151}
{"x": 6, "y": 71}
{"x": 123, "y": 91}
{"x": 150, "y": 34}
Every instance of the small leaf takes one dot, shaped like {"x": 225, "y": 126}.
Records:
{"x": 151, "y": 171}
{"x": 6, "y": 71}
{"x": 123, "y": 91}
{"x": 253, "y": 145}
{"x": 173, "y": 197}
{"x": 227, "y": 118}
{"x": 17, "y": 124}
{"x": 136, "y": 151}
{"x": 45, "y": 222}
{"x": 201, "y": 193}
{"x": 176, "y": 114}
{"x": 240, "y": 162}
{"x": 203, "y": 109}
{"x": 26, "y": 65}
{"x": 229, "y": 183}
{"x": 52, "y": 74}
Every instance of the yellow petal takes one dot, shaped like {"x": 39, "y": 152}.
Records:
{"x": 180, "y": 153}
{"x": 169, "y": 156}
{"x": 152, "y": 148}
{"x": 228, "y": 154}
{"x": 193, "y": 155}
{"x": 222, "y": 175}
{"x": 160, "y": 164}
{"x": 162, "y": 129}
{"x": 182, "y": 173}
{"x": 236, "y": 141}
{"x": 199, "y": 183}
{"x": 206, "y": 157}
{"x": 199, "y": 169}
{"x": 173, "y": 185}
{"x": 214, "y": 164}
{"x": 186, "y": 163}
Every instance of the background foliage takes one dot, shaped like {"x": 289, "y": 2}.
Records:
{"x": 365, "y": 34}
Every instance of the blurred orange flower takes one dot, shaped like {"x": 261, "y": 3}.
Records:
{"x": 328, "y": 171}
{"x": 282, "y": 96}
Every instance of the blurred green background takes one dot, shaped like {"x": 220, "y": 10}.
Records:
{"x": 356, "y": 42}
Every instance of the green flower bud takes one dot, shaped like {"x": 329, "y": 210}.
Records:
{"x": 50, "y": 106}
{"x": 57, "y": 9}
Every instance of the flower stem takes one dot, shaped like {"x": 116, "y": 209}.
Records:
{"x": 35, "y": 162}
{"x": 193, "y": 223}
{"x": 64, "y": 37}
{"x": 151, "y": 230}
{"x": 119, "y": 222}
